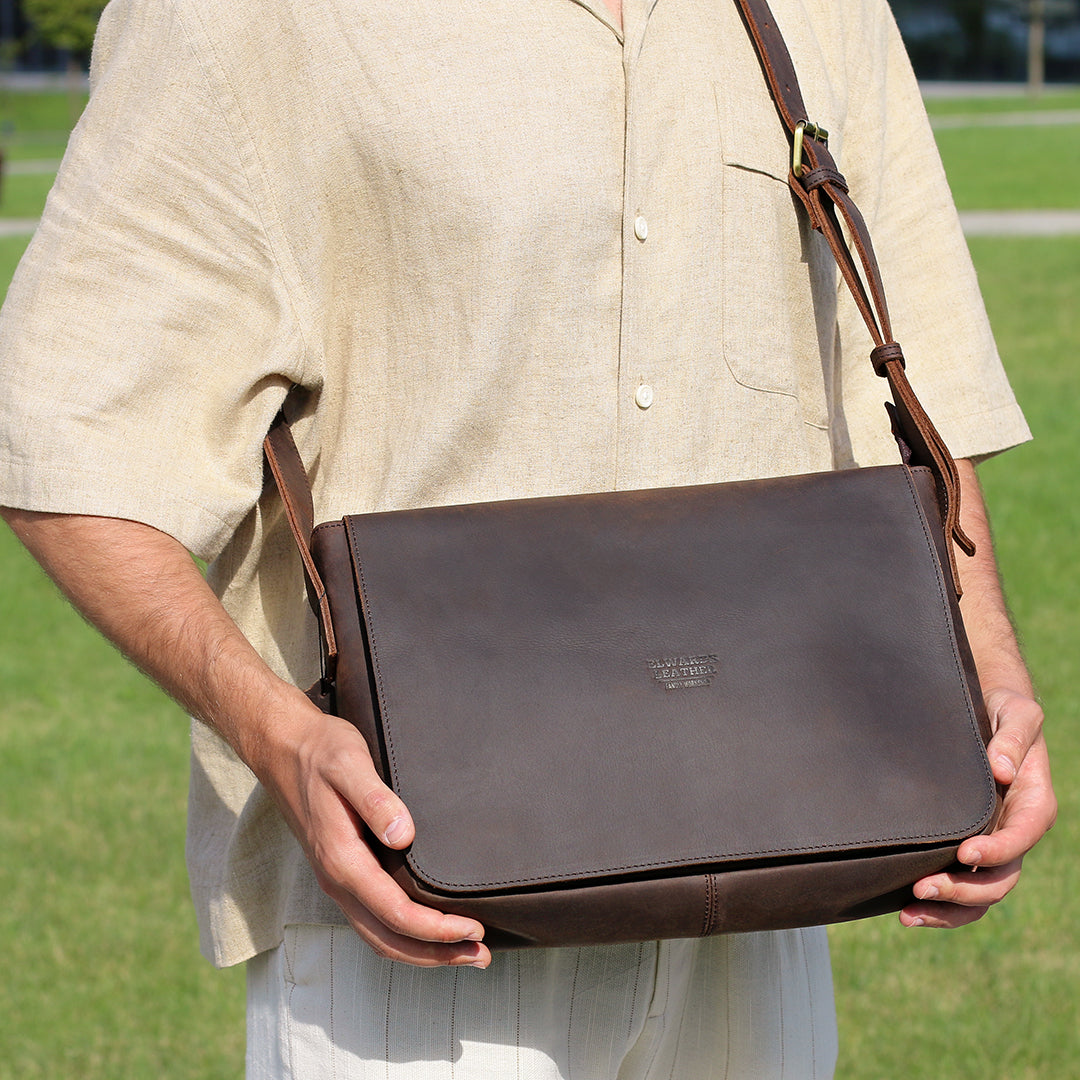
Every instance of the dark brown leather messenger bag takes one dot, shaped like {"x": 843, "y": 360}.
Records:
{"x": 673, "y": 712}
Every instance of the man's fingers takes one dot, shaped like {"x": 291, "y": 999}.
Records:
{"x": 959, "y": 898}
{"x": 380, "y": 810}
{"x": 359, "y": 875}
{"x": 971, "y": 888}
{"x": 1029, "y": 812}
{"x": 409, "y": 949}
{"x": 940, "y": 916}
{"x": 349, "y": 770}
{"x": 394, "y": 925}
{"x": 389, "y": 921}
{"x": 1017, "y": 723}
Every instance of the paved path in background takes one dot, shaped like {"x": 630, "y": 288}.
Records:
{"x": 17, "y": 226}
{"x": 1014, "y": 222}
{"x": 32, "y": 167}
{"x": 1020, "y": 222}
{"x": 940, "y": 88}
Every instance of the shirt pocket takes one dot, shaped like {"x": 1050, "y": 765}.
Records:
{"x": 780, "y": 279}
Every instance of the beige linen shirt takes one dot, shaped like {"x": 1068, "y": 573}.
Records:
{"x": 511, "y": 251}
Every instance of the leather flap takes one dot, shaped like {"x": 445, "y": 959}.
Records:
{"x": 604, "y": 685}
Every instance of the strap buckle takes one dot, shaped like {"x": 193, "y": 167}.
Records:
{"x": 804, "y": 129}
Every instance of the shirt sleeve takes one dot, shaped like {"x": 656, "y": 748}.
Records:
{"x": 891, "y": 162}
{"x": 150, "y": 333}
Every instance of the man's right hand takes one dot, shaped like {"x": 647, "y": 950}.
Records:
{"x": 140, "y": 587}
{"x": 321, "y": 775}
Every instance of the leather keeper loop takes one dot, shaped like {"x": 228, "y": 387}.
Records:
{"x": 815, "y": 178}
{"x": 880, "y": 356}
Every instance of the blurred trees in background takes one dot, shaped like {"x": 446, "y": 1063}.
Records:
{"x": 67, "y": 25}
{"x": 998, "y": 40}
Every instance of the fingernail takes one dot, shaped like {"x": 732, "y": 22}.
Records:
{"x": 930, "y": 893}
{"x": 476, "y": 935}
{"x": 482, "y": 965}
{"x": 916, "y": 922}
{"x": 973, "y": 859}
{"x": 1007, "y": 765}
{"x": 396, "y": 831}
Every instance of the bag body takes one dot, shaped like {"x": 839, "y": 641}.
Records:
{"x": 677, "y": 712}
{"x": 664, "y": 713}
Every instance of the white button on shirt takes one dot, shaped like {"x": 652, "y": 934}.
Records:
{"x": 643, "y": 396}
{"x": 641, "y": 227}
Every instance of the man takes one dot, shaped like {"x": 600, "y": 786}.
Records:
{"x": 510, "y": 250}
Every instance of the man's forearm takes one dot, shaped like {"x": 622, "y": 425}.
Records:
{"x": 141, "y": 588}
{"x": 986, "y": 616}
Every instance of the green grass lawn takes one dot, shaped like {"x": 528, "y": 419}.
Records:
{"x": 36, "y": 125}
{"x": 103, "y": 979}
{"x": 23, "y": 196}
{"x": 1013, "y": 168}
{"x": 11, "y": 250}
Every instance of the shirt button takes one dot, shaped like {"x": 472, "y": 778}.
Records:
{"x": 641, "y": 227}
{"x": 643, "y": 396}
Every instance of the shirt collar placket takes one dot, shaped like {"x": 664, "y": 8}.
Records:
{"x": 600, "y": 10}
{"x": 635, "y": 17}
{"x": 635, "y": 387}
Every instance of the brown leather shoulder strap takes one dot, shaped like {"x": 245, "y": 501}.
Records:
{"x": 290, "y": 477}
{"x": 819, "y": 185}
{"x": 822, "y": 190}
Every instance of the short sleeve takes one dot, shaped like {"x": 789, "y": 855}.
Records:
{"x": 149, "y": 335}
{"x": 890, "y": 159}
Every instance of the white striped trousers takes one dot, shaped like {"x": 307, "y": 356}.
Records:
{"x": 322, "y": 1006}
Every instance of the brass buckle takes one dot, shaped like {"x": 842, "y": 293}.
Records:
{"x": 802, "y": 129}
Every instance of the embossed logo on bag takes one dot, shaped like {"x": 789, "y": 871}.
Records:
{"x": 683, "y": 672}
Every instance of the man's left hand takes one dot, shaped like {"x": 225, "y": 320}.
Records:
{"x": 1019, "y": 761}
